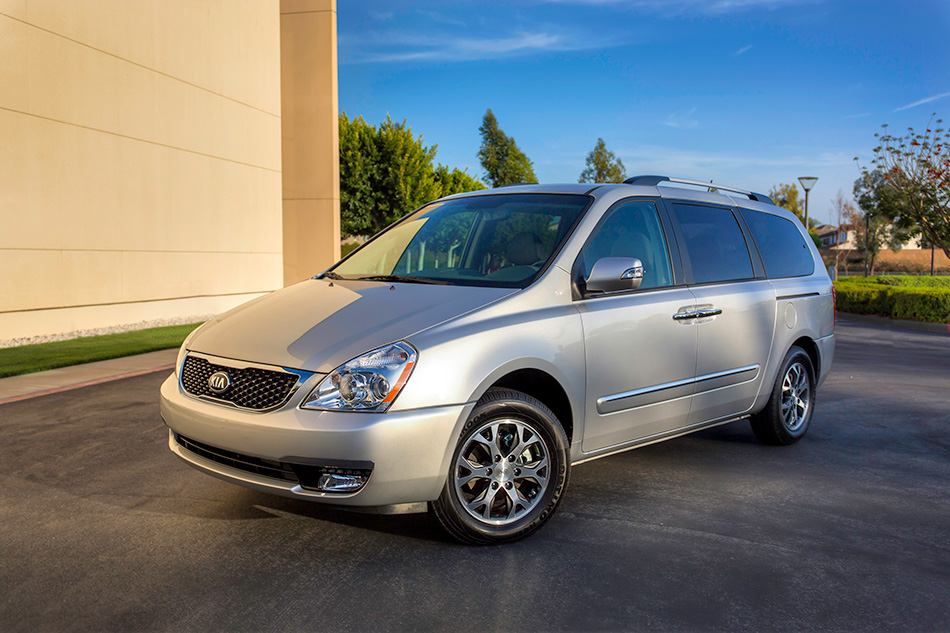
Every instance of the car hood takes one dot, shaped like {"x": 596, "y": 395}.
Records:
{"x": 318, "y": 325}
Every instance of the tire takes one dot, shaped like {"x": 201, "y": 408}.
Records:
{"x": 494, "y": 492}
{"x": 787, "y": 414}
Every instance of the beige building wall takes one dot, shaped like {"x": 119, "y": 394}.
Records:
{"x": 310, "y": 144}
{"x": 140, "y": 160}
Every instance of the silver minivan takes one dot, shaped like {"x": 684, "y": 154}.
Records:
{"x": 464, "y": 359}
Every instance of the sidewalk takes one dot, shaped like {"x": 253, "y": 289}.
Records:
{"x": 65, "y": 378}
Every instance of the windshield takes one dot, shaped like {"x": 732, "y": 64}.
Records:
{"x": 495, "y": 240}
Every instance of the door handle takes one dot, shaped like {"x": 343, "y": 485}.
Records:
{"x": 697, "y": 314}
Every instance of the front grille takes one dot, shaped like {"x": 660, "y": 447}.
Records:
{"x": 251, "y": 387}
{"x": 263, "y": 467}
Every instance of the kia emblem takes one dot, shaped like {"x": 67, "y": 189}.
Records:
{"x": 219, "y": 382}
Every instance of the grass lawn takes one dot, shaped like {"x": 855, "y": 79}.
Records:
{"x": 27, "y": 359}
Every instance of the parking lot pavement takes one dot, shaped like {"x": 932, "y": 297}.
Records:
{"x": 103, "y": 529}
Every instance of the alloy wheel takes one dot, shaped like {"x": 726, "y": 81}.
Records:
{"x": 502, "y": 471}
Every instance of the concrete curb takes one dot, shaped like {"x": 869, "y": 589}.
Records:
{"x": 79, "y": 385}
{"x": 43, "y": 383}
{"x": 920, "y": 326}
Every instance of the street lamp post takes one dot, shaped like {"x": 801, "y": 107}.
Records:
{"x": 807, "y": 183}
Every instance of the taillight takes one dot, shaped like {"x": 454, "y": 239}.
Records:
{"x": 834, "y": 303}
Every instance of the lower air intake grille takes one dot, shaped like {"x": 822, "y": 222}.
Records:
{"x": 250, "y": 388}
{"x": 262, "y": 467}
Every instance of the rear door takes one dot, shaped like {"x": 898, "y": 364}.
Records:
{"x": 735, "y": 313}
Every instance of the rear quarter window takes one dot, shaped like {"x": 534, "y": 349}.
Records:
{"x": 781, "y": 245}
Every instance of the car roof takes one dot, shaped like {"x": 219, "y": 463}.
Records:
{"x": 598, "y": 190}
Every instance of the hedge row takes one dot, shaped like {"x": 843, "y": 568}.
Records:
{"x": 910, "y": 281}
{"x": 895, "y": 302}
{"x": 915, "y": 282}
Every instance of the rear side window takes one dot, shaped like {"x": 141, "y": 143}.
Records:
{"x": 781, "y": 245}
{"x": 714, "y": 242}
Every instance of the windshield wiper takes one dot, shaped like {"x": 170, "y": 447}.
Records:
{"x": 404, "y": 278}
{"x": 331, "y": 275}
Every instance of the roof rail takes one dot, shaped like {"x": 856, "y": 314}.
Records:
{"x": 653, "y": 181}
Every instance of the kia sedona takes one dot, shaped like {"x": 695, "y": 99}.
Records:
{"x": 466, "y": 358}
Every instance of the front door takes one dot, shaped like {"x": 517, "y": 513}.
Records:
{"x": 640, "y": 360}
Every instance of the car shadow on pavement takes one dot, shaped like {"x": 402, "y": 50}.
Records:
{"x": 422, "y": 526}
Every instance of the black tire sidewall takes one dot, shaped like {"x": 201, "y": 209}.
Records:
{"x": 771, "y": 420}
{"x": 508, "y": 404}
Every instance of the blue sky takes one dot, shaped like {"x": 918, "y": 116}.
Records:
{"x": 748, "y": 93}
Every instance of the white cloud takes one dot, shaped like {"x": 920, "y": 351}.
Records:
{"x": 922, "y": 101}
{"x": 682, "y": 120}
{"x": 677, "y": 162}
{"x": 744, "y": 49}
{"x": 412, "y": 48}
{"x": 691, "y": 6}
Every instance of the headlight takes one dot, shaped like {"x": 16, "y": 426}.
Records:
{"x": 367, "y": 383}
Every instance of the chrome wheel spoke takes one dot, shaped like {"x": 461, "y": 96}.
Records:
{"x": 515, "y": 500}
{"x": 796, "y": 394}
{"x": 491, "y": 444}
{"x": 531, "y": 471}
{"x": 502, "y": 470}
{"x": 521, "y": 445}
{"x": 486, "y": 499}
{"x": 475, "y": 471}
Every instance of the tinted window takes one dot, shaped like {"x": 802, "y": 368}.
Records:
{"x": 781, "y": 245}
{"x": 714, "y": 242}
{"x": 633, "y": 230}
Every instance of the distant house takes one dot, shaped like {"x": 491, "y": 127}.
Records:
{"x": 843, "y": 238}
{"x": 827, "y": 235}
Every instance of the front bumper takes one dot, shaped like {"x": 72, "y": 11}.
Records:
{"x": 410, "y": 451}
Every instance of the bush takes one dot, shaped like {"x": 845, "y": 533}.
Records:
{"x": 347, "y": 248}
{"x": 894, "y": 300}
{"x": 915, "y": 282}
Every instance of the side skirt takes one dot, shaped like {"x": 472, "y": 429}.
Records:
{"x": 653, "y": 439}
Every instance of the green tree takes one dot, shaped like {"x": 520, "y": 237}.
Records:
{"x": 917, "y": 168}
{"x": 358, "y": 173}
{"x": 879, "y": 203}
{"x": 503, "y": 161}
{"x": 455, "y": 181}
{"x": 603, "y": 165}
{"x": 385, "y": 173}
{"x": 405, "y": 178}
{"x": 786, "y": 196}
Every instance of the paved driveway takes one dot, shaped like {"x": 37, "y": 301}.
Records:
{"x": 101, "y": 528}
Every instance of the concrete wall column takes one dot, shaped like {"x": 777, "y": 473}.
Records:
{"x": 310, "y": 137}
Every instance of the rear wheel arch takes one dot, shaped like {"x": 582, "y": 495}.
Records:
{"x": 811, "y": 348}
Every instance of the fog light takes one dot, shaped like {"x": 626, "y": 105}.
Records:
{"x": 336, "y": 482}
{"x": 340, "y": 477}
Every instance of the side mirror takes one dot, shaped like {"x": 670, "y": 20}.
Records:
{"x": 611, "y": 274}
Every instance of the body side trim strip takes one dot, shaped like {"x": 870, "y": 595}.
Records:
{"x": 671, "y": 385}
{"x": 804, "y": 294}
